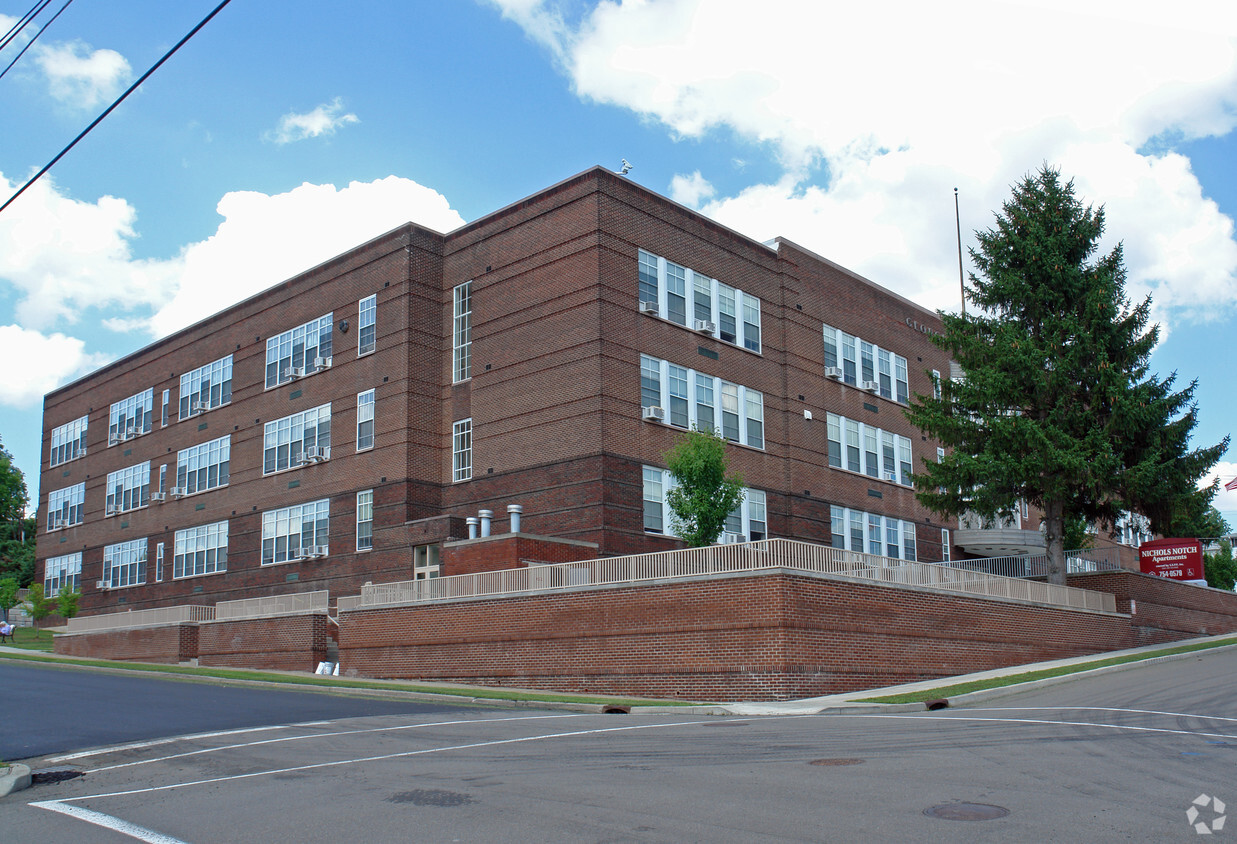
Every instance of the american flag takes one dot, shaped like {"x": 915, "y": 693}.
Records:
{"x": 1231, "y": 484}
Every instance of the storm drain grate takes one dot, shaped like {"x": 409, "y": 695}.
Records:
{"x": 430, "y": 797}
{"x": 966, "y": 812}
{"x": 49, "y": 777}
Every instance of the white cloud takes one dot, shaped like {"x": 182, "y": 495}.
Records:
{"x": 41, "y": 364}
{"x": 65, "y": 256}
{"x": 1225, "y": 500}
{"x": 81, "y": 77}
{"x": 323, "y": 120}
{"x": 899, "y": 103}
{"x": 690, "y": 190}
{"x": 266, "y": 239}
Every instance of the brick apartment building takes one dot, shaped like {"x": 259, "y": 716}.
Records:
{"x": 339, "y": 427}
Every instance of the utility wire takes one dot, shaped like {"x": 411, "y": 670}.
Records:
{"x": 30, "y": 43}
{"x": 112, "y": 107}
{"x": 16, "y": 29}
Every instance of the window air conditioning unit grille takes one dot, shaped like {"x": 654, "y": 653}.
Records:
{"x": 321, "y": 363}
{"x": 833, "y": 373}
{"x": 311, "y": 552}
{"x": 111, "y": 509}
{"x": 649, "y": 308}
{"x": 57, "y": 523}
{"x": 158, "y": 496}
{"x": 653, "y": 414}
{"x": 704, "y": 326}
{"x": 199, "y": 406}
{"x": 294, "y": 372}
{"x": 178, "y": 492}
{"x": 870, "y": 386}
{"x": 891, "y": 476}
{"x": 102, "y": 584}
{"x": 317, "y": 454}
{"x": 729, "y": 538}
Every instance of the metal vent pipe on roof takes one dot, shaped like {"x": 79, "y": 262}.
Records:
{"x": 514, "y": 511}
{"x": 485, "y": 516}
{"x": 472, "y": 527}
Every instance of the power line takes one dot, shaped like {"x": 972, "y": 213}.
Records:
{"x": 30, "y": 43}
{"x": 21, "y": 24}
{"x": 112, "y": 107}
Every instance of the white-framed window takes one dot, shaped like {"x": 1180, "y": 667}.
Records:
{"x": 163, "y": 413}
{"x": 299, "y": 352}
{"x": 871, "y": 364}
{"x": 205, "y": 466}
{"x": 205, "y": 388}
{"x": 365, "y": 520}
{"x": 872, "y": 533}
{"x": 128, "y": 489}
{"x": 62, "y": 571}
{"x": 461, "y": 450}
{"x": 936, "y": 385}
{"x": 718, "y": 309}
{"x": 742, "y": 408}
{"x": 748, "y": 519}
{"x": 425, "y": 562}
{"x": 461, "y": 332}
{"x": 158, "y": 562}
{"x": 65, "y": 507}
{"x": 945, "y": 554}
{"x": 296, "y": 532}
{"x": 200, "y": 550}
{"x": 130, "y": 417}
{"x": 69, "y": 441}
{"x": 124, "y": 564}
{"x": 365, "y": 420}
{"x": 367, "y": 325}
{"x": 297, "y": 439}
{"x": 883, "y": 454}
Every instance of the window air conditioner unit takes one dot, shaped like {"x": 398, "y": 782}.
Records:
{"x": 318, "y": 550}
{"x": 833, "y": 373}
{"x": 317, "y": 454}
{"x": 729, "y": 538}
{"x": 870, "y": 386}
{"x": 198, "y": 406}
{"x": 311, "y": 552}
{"x": 131, "y": 432}
{"x": 654, "y": 414}
{"x": 321, "y": 363}
{"x": 102, "y": 584}
{"x": 891, "y": 476}
{"x": 111, "y": 509}
{"x": 704, "y": 326}
{"x": 158, "y": 496}
{"x": 57, "y": 523}
{"x": 649, "y": 308}
{"x": 177, "y": 491}
{"x": 294, "y": 372}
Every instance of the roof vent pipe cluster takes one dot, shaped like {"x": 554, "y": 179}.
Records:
{"x": 485, "y": 516}
{"x": 514, "y": 511}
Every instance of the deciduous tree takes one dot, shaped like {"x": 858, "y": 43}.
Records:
{"x": 704, "y": 494}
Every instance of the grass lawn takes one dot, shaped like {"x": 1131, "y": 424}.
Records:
{"x": 31, "y": 639}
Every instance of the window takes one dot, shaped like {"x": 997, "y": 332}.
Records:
{"x": 855, "y": 530}
{"x": 365, "y": 420}
{"x": 868, "y": 450}
{"x": 296, "y": 532}
{"x": 748, "y": 519}
{"x": 124, "y": 564}
{"x": 871, "y": 364}
{"x": 163, "y": 415}
{"x": 874, "y": 534}
{"x": 742, "y": 408}
{"x": 302, "y": 351}
{"x": 159, "y": 562}
{"x": 65, "y": 506}
{"x": 837, "y": 527}
{"x": 945, "y": 545}
{"x": 208, "y": 387}
{"x": 461, "y": 333}
{"x": 936, "y": 385}
{"x": 62, "y": 571}
{"x": 908, "y": 541}
{"x": 297, "y": 439}
{"x": 367, "y": 325}
{"x": 203, "y": 467}
{"x": 676, "y": 291}
{"x": 461, "y": 450}
{"x": 69, "y": 441}
{"x": 128, "y": 489}
{"x": 425, "y": 564}
{"x": 130, "y": 418}
{"x": 201, "y": 550}
{"x": 365, "y": 520}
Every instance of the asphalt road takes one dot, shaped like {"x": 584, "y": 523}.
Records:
{"x": 1115, "y": 757}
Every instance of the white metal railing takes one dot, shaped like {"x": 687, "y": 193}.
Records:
{"x": 347, "y": 602}
{"x": 1076, "y": 562}
{"x": 721, "y": 559}
{"x": 140, "y": 618}
{"x": 271, "y": 605}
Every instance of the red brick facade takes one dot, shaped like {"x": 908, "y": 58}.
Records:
{"x": 554, "y": 396}
{"x": 281, "y": 643}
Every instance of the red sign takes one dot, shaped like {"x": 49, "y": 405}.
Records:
{"x": 1178, "y": 559}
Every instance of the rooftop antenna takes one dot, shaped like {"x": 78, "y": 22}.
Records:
{"x": 625, "y": 168}
{"x": 958, "y": 221}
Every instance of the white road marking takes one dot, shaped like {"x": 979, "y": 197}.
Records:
{"x": 326, "y": 735}
{"x": 139, "y": 745}
{"x": 1095, "y": 709}
{"x": 90, "y": 816}
{"x": 1129, "y": 727}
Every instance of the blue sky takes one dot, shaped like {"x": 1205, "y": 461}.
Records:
{"x": 286, "y": 132}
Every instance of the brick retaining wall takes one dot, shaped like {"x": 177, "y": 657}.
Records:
{"x": 281, "y": 643}
{"x": 171, "y": 643}
{"x": 1165, "y": 610}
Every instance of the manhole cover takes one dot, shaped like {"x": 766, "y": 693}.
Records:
{"x": 828, "y": 763}
{"x": 430, "y": 797}
{"x": 47, "y": 777}
{"x": 966, "y": 812}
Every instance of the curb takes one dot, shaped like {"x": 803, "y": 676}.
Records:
{"x": 16, "y": 779}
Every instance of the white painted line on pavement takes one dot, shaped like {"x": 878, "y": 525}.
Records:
{"x": 1094, "y": 709}
{"x": 90, "y": 816}
{"x": 139, "y": 745}
{"x": 328, "y": 735}
{"x": 950, "y": 718}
